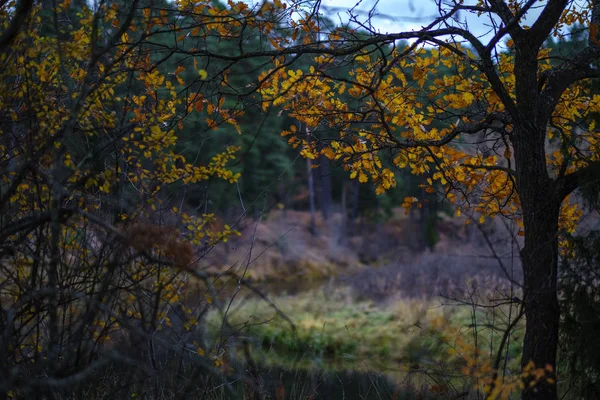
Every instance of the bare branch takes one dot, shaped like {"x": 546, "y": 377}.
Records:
{"x": 512, "y": 26}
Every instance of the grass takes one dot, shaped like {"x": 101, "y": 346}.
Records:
{"x": 336, "y": 331}
{"x": 403, "y": 348}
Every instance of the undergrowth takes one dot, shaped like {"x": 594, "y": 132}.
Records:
{"x": 334, "y": 331}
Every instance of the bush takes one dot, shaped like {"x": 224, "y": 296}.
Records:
{"x": 580, "y": 305}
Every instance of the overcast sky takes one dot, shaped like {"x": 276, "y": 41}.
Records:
{"x": 407, "y": 15}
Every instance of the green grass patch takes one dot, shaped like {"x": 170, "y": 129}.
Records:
{"x": 331, "y": 326}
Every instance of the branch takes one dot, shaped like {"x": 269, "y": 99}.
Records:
{"x": 568, "y": 183}
{"x": 21, "y": 14}
{"x": 504, "y": 339}
{"x": 560, "y": 78}
{"x": 546, "y": 22}
{"x": 31, "y": 222}
{"x": 332, "y": 48}
{"x": 447, "y": 138}
{"x": 511, "y": 26}
{"x": 204, "y": 276}
{"x": 501, "y": 9}
{"x": 490, "y": 168}
{"x": 579, "y": 68}
{"x": 485, "y": 65}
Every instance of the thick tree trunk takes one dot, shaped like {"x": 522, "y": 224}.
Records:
{"x": 540, "y": 263}
{"x": 540, "y": 203}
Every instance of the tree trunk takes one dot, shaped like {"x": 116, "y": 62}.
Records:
{"x": 343, "y": 227}
{"x": 351, "y": 223}
{"x": 311, "y": 197}
{"x": 325, "y": 196}
{"x": 424, "y": 217}
{"x": 311, "y": 192}
{"x": 540, "y": 266}
{"x": 540, "y": 203}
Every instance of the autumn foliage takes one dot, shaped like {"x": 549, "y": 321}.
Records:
{"x": 92, "y": 243}
{"x": 96, "y": 108}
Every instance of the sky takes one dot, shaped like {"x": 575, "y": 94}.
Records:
{"x": 408, "y": 15}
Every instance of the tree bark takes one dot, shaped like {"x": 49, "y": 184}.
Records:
{"x": 540, "y": 265}
{"x": 540, "y": 202}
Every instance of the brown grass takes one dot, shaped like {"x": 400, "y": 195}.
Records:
{"x": 281, "y": 247}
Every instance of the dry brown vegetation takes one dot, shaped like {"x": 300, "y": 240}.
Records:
{"x": 376, "y": 259}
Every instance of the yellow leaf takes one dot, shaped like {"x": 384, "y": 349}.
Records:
{"x": 468, "y": 97}
{"x": 307, "y": 153}
{"x": 362, "y": 177}
{"x": 327, "y": 152}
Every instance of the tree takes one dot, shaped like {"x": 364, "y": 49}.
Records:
{"x": 94, "y": 240}
{"x": 532, "y": 112}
